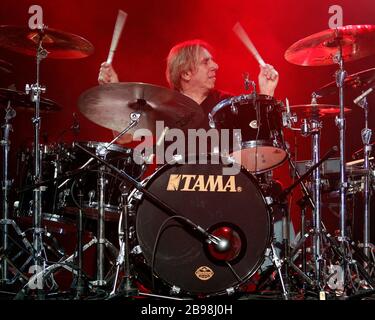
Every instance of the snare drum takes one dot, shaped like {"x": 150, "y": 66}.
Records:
{"x": 261, "y": 146}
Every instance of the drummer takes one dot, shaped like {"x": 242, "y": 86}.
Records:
{"x": 191, "y": 70}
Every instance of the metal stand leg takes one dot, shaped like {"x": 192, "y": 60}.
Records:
{"x": 278, "y": 265}
{"x": 80, "y": 286}
{"x": 100, "y": 281}
{"x": 366, "y": 134}
{"x": 126, "y": 288}
{"x": 316, "y": 126}
{"x": 5, "y": 186}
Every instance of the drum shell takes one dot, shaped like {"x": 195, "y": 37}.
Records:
{"x": 179, "y": 249}
{"x": 261, "y": 146}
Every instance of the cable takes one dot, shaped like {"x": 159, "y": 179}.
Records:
{"x": 156, "y": 244}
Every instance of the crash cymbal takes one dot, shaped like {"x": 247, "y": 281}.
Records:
{"x": 319, "y": 49}
{"x": 358, "y": 81}
{"x": 110, "y": 106}
{"x": 21, "y": 101}
{"x": 317, "y": 110}
{"x": 59, "y": 44}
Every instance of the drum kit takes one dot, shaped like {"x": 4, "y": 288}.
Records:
{"x": 216, "y": 229}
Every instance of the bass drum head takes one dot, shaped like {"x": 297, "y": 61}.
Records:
{"x": 214, "y": 201}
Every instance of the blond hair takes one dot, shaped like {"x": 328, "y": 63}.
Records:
{"x": 183, "y": 57}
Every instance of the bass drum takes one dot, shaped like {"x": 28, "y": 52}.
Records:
{"x": 228, "y": 206}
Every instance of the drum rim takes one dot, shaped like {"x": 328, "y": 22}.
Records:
{"x": 252, "y": 144}
{"x": 138, "y": 201}
{"x": 113, "y": 147}
{"x": 242, "y": 99}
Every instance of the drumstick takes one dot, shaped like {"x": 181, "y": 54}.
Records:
{"x": 241, "y": 34}
{"x": 121, "y": 18}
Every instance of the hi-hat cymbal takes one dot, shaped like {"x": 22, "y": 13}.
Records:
{"x": 317, "y": 110}
{"x": 357, "y": 81}
{"x": 110, "y": 106}
{"x": 21, "y": 101}
{"x": 59, "y": 44}
{"x": 319, "y": 49}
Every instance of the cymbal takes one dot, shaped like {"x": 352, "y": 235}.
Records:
{"x": 361, "y": 81}
{"x": 110, "y": 106}
{"x": 319, "y": 49}
{"x": 317, "y": 110}
{"x": 21, "y": 100}
{"x": 59, "y": 44}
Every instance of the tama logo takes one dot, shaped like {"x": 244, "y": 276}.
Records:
{"x": 201, "y": 183}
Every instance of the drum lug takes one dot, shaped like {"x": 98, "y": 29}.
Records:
{"x": 269, "y": 200}
{"x": 230, "y": 291}
{"x": 234, "y": 109}
{"x": 138, "y": 195}
{"x": 175, "y": 290}
{"x": 137, "y": 250}
{"x": 267, "y": 254}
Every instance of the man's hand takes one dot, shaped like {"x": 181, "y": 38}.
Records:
{"x": 268, "y": 79}
{"x": 107, "y": 74}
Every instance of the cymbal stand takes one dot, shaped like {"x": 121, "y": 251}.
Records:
{"x": 313, "y": 128}
{"x": 102, "y": 241}
{"x": 35, "y": 91}
{"x": 101, "y": 244}
{"x": 340, "y": 122}
{"x": 366, "y": 134}
{"x": 5, "y": 186}
{"x": 126, "y": 287}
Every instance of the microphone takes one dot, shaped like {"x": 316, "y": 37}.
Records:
{"x": 363, "y": 95}
{"x": 221, "y": 244}
{"x": 224, "y": 242}
{"x": 75, "y": 126}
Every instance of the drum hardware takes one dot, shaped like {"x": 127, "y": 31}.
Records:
{"x": 289, "y": 260}
{"x": 366, "y": 134}
{"x": 331, "y": 47}
{"x": 5, "y": 222}
{"x": 126, "y": 287}
{"x": 313, "y": 128}
{"x": 80, "y": 284}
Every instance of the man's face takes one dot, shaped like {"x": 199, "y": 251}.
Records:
{"x": 204, "y": 75}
